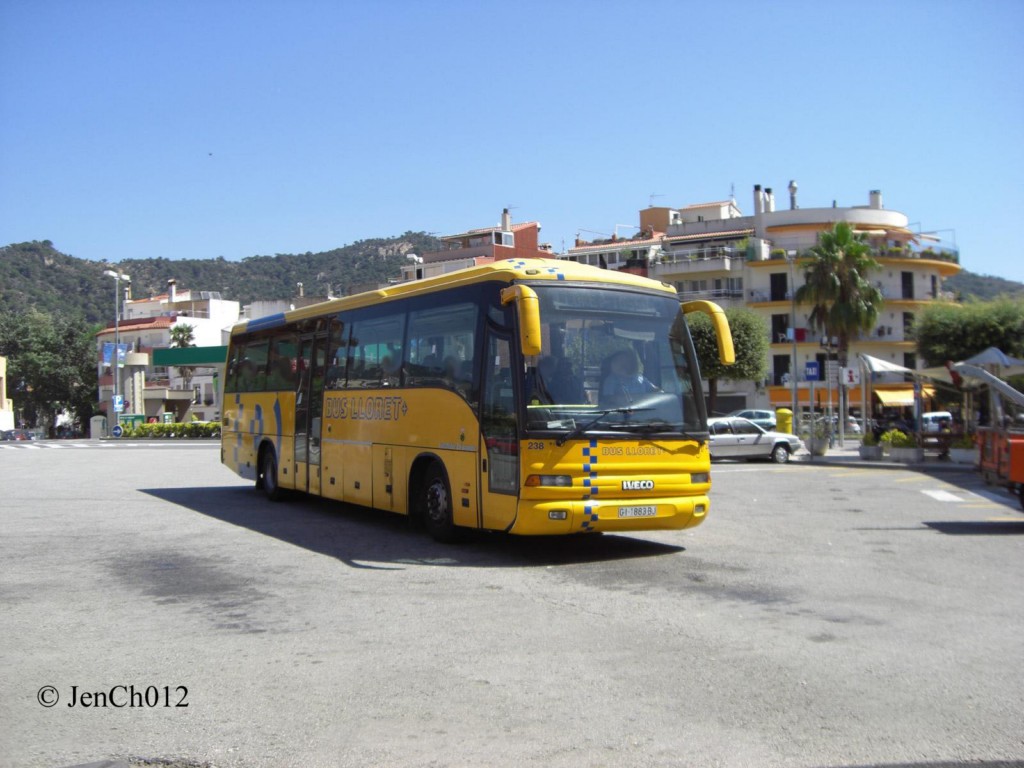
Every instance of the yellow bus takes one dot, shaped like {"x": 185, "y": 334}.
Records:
{"x": 531, "y": 396}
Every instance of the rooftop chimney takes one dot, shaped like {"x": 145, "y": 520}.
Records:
{"x": 172, "y": 291}
{"x": 770, "y": 197}
{"x": 506, "y": 220}
{"x": 758, "y": 200}
{"x": 792, "y": 195}
{"x": 875, "y": 199}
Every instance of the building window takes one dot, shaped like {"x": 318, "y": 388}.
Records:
{"x": 779, "y": 286}
{"x": 908, "y": 325}
{"x": 910, "y": 360}
{"x": 780, "y": 369}
{"x": 780, "y": 327}
{"x": 908, "y": 284}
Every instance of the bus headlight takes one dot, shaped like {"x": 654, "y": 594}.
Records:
{"x": 547, "y": 481}
{"x": 558, "y": 514}
{"x": 700, "y": 477}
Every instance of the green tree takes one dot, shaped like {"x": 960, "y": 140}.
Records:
{"x": 750, "y": 341}
{"x": 954, "y": 332}
{"x": 843, "y": 300}
{"x": 51, "y": 366}
{"x": 183, "y": 336}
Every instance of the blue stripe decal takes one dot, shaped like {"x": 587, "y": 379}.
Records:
{"x": 238, "y": 430}
{"x": 589, "y": 464}
{"x": 277, "y": 417}
{"x": 262, "y": 323}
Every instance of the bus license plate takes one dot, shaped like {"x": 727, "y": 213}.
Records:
{"x": 638, "y": 511}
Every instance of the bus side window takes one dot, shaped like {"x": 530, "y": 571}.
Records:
{"x": 231, "y": 375}
{"x": 338, "y": 355}
{"x": 281, "y": 376}
{"x": 253, "y": 373}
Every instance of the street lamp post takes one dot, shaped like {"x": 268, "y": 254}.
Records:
{"x": 115, "y": 369}
{"x": 828, "y": 343}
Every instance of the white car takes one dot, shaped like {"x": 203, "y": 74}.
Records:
{"x": 763, "y": 419}
{"x": 735, "y": 438}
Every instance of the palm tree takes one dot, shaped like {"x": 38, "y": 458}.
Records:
{"x": 843, "y": 300}
{"x": 182, "y": 337}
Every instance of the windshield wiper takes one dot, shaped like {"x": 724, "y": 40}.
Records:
{"x": 579, "y": 430}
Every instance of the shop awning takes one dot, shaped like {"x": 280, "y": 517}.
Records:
{"x": 896, "y": 399}
{"x": 903, "y": 397}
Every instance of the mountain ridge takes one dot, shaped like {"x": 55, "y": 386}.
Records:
{"x": 36, "y": 274}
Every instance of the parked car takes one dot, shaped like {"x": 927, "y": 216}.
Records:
{"x": 763, "y": 419}
{"x": 18, "y": 434}
{"x": 852, "y": 426}
{"x": 934, "y": 422}
{"x": 733, "y": 437}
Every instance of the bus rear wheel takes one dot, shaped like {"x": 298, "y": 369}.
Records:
{"x": 267, "y": 477}
{"x": 434, "y": 506}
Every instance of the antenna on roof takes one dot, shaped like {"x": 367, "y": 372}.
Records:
{"x": 650, "y": 199}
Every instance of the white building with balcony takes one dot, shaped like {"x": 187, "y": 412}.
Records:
{"x": 145, "y": 325}
{"x": 713, "y": 251}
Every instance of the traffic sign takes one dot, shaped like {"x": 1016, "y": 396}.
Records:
{"x": 851, "y": 377}
{"x": 118, "y": 403}
{"x": 117, "y": 431}
{"x": 811, "y": 370}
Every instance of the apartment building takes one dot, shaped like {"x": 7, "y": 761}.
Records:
{"x": 479, "y": 246}
{"x": 714, "y": 251}
{"x": 144, "y": 327}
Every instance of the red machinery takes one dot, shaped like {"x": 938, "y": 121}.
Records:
{"x": 1002, "y": 445}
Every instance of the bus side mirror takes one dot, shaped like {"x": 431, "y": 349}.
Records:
{"x": 726, "y": 353}
{"x": 528, "y": 308}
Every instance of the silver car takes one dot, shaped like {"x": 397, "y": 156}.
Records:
{"x": 763, "y": 419}
{"x": 735, "y": 438}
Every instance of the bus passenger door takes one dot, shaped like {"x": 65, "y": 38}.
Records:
{"x": 309, "y": 403}
{"x": 499, "y": 451}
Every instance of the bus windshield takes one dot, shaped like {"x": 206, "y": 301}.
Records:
{"x": 614, "y": 361}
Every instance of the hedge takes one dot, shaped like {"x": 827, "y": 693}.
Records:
{"x": 190, "y": 429}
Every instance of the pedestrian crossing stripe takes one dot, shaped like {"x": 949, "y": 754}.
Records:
{"x": 943, "y": 496}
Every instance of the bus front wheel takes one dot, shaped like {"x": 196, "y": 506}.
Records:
{"x": 267, "y": 477}
{"x": 435, "y": 506}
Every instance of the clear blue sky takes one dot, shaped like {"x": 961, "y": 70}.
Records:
{"x": 221, "y": 128}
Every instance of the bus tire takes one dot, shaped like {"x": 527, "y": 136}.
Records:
{"x": 434, "y": 505}
{"x": 780, "y": 453}
{"x": 266, "y": 478}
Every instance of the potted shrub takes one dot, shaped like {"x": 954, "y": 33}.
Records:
{"x": 964, "y": 450}
{"x": 903, "y": 447}
{"x": 818, "y": 438}
{"x": 870, "y": 449}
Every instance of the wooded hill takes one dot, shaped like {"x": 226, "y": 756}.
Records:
{"x": 37, "y": 275}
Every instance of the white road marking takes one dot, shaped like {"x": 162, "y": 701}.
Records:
{"x": 943, "y": 496}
